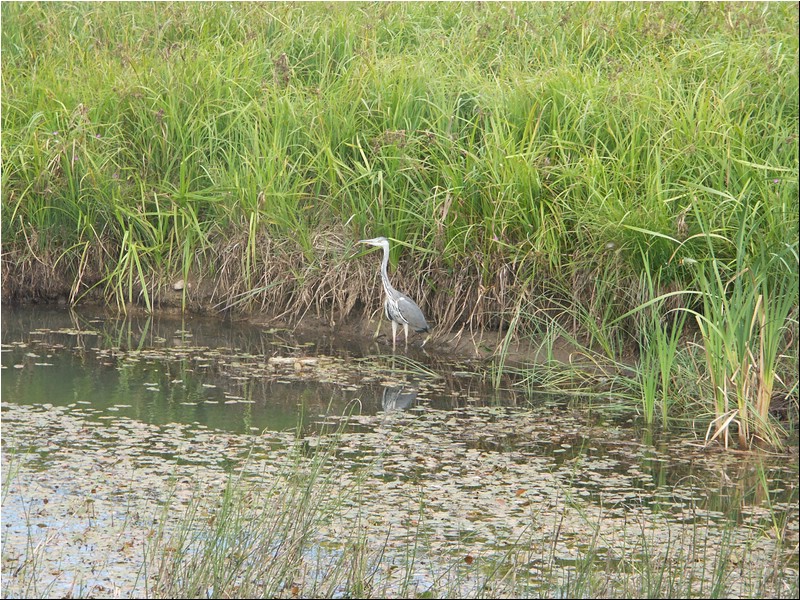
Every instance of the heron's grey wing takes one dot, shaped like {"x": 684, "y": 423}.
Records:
{"x": 411, "y": 313}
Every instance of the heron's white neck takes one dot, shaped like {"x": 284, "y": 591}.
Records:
{"x": 384, "y": 274}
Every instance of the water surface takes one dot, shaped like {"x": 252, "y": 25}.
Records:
{"x": 104, "y": 415}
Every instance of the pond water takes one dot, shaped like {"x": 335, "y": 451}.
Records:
{"x": 106, "y": 419}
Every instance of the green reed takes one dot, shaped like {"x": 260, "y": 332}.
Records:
{"x": 747, "y": 305}
{"x": 659, "y": 344}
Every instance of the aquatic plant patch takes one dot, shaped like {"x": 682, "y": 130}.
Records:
{"x": 85, "y": 500}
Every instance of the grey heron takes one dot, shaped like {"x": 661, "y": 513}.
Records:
{"x": 398, "y": 307}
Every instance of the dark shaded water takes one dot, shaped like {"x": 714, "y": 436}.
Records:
{"x": 211, "y": 372}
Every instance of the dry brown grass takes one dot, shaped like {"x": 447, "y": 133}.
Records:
{"x": 332, "y": 284}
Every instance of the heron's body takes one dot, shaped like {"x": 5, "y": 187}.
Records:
{"x": 398, "y": 307}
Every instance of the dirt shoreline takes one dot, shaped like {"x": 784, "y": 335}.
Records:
{"x": 461, "y": 343}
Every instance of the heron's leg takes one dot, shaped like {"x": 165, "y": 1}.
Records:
{"x": 394, "y": 335}
{"x": 405, "y": 327}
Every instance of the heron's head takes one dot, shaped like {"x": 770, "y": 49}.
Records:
{"x": 378, "y": 241}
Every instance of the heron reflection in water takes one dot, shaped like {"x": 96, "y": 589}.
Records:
{"x": 398, "y": 307}
{"x": 397, "y": 397}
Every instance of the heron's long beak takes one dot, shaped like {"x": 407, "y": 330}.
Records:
{"x": 361, "y": 251}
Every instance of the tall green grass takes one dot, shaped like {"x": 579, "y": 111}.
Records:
{"x": 528, "y": 158}
{"x": 661, "y": 330}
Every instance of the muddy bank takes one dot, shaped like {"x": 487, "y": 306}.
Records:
{"x": 337, "y": 309}
{"x": 471, "y": 302}
{"x": 477, "y": 347}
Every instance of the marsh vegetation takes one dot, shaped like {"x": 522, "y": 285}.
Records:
{"x": 601, "y": 199}
{"x": 621, "y": 176}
